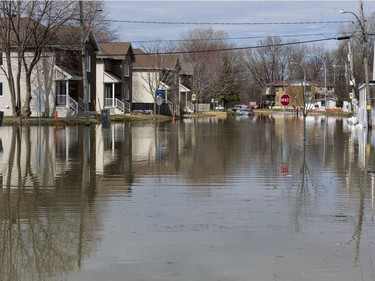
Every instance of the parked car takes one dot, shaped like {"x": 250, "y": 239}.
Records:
{"x": 239, "y": 107}
{"x": 253, "y": 106}
{"x": 246, "y": 112}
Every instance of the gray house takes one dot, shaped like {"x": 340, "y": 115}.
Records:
{"x": 114, "y": 77}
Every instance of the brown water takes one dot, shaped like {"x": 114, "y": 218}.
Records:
{"x": 205, "y": 199}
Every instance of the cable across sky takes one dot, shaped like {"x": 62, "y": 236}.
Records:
{"x": 229, "y": 23}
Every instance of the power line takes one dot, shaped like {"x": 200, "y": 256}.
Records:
{"x": 229, "y": 38}
{"x": 239, "y": 48}
{"x": 228, "y": 23}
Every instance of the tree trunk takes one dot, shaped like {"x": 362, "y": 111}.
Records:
{"x": 26, "y": 111}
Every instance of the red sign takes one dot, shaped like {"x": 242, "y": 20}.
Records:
{"x": 285, "y": 100}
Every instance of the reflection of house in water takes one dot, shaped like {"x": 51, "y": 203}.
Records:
{"x": 113, "y": 158}
{"x": 56, "y": 215}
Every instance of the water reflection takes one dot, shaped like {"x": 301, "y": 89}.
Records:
{"x": 264, "y": 175}
{"x": 44, "y": 222}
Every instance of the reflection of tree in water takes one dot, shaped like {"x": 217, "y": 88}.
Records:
{"x": 305, "y": 182}
{"x": 358, "y": 171}
{"x": 43, "y": 233}
{"x": 361, "y": 207}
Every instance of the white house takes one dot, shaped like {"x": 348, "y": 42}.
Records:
{"x": 154, "y": 75}
{"x": 56, "y": 79}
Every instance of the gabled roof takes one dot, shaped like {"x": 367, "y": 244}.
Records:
{"x": 30, "y": 32}
{"x": 110, "y": 77}
{"x": 62, "y": 74}
{"x": 187, "y": 68}
{"x": 69, "y": 37}
{"x": 115, "y": 50}
{"x": 65, "y": 37}
{"x": 184, "y": 88}
{"x": 154, "y": 61}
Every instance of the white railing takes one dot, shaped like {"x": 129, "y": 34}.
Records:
{"x": 73, "y": 104}
{"x": 81, "y": 103}
{"x": 203, "y": 107}
{"x": 111, "y": 102}
{"x": 190, "y": 106}
{"x": 120, "y": 105}
{"x": 67, "y": 101}
{"x": 127, "y": 106}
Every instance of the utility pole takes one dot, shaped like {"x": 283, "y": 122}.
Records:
{"x": 365, "y": 60}
{"x": 363, "y": 40}
{"x": 84, "y": 66}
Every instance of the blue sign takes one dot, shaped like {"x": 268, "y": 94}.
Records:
{"x": 160, "y": 93}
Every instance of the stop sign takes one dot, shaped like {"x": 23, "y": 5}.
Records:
{"x": 285, "y": 100}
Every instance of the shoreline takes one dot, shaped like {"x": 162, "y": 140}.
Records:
{"x": 96, "y": 119}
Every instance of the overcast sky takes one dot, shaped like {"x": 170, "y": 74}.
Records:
{"x": 316, "y": 19}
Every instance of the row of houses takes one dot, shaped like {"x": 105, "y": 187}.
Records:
{"x": 119, "y": 78}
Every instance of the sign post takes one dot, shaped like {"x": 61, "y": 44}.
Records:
{"x": 159, "y": 98}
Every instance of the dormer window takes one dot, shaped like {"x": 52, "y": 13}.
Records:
{"x": 88, "y": 62}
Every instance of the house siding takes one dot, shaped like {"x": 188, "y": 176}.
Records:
{"x": 42, "y": 78}
{"x": 141, "y": 89}
{"x": 99, "y": 85}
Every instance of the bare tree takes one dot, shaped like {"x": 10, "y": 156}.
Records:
{"x": 159, "y": 69}
{"x": 102, "y": 27}
{"x": 29, "y": 28}
{"x": 203, "y": 48}
{"x": 270, "y": 61}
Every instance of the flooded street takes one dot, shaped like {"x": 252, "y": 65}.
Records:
{"x": 198, "y": 200}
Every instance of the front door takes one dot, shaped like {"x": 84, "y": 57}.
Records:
{"x": 61, "y": 95}
{"x": 108, "y": 95}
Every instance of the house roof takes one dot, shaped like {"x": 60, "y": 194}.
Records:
{"x": 154, "y": 61}
{"x": 110, "y": 77}
{"x": 115, "y": 50}
{"x": 183, "y": 88}
{"x": 30, "y": 32}
{"x": 63, "y": 74}
{"x": 63, "y": 37}
{"x": 187, "y": 68}
{"x": 69, "y": 37}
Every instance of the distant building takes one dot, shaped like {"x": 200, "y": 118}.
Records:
{"x": 314, "y": 93}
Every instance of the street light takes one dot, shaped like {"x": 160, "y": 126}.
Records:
{"x": 325, "y": 79}
{"x": 361, "y": 22}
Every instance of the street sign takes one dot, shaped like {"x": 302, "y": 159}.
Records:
{"x": 160, "y": 93}
{"x": 285, "y": 100}
{"x": 159, "y": 100}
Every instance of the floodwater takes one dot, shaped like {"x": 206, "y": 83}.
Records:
{"x": 198, "y": 200}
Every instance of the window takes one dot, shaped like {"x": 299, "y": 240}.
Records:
{"x": 1, "y": 89}
{"x": 88, "y": 92}
{"x": 88, "y": 62}
{"x": 127, "y": 96}
{"x": 126, "y": 70}
{"x": 1, "y": 58}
